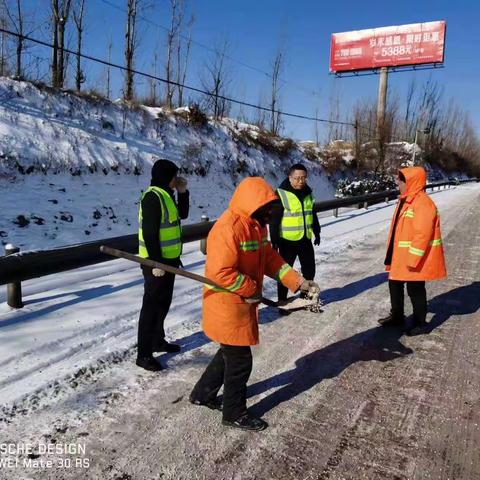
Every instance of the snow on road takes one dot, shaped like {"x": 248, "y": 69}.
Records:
{"x": 71, "y": 348}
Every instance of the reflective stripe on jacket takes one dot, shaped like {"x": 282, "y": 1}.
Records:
{"x": 418, "y": 250}
{"x": 170, "y": 231}
{"x": 297, "y": 216}
{"x": 238, "y": 256}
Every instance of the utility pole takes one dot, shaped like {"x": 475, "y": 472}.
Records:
{"x": 426, "y": 131}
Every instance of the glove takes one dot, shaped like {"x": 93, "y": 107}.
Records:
{"x": 317, "y": 240}
{"x": 311, "y": 288}
{"x": 158, "y": 272}
{"x": 181, "y": 185}
{"x": 253, "y": 300}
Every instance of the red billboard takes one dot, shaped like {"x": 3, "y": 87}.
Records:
{"x": 413, "y": 44}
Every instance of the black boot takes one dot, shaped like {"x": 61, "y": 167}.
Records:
{"x": 247, "y": 422}
{"x": 214, "y": 404}
{"x": 391, "y": 320}
{"x": 149, "y": 363}
{"x": 164, "y": 346}
{"x": 418, "y": 328}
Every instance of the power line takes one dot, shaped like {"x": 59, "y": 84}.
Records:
{"x": 177, "y": 84}
{"x": 212, "y": 50}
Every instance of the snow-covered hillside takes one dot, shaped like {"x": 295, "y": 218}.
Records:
{"x": 72, "y": 168}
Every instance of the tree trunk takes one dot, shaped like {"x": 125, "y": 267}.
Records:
{"x": 185, "y": 65}
{"x": 55, "y": 43}
{"x": 78, "y": 19}
{"x": 108, "y": 67}
{"x": 18, "y": 72}
{"x": 170, "y": 45}
{"x": 130, "y": 44}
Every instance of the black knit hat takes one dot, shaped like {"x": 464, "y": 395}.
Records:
{"x": 163, "y": 171}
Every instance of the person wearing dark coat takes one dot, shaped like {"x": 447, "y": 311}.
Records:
{"x": 293, "y": 225}
{"x": 159, "y": 240}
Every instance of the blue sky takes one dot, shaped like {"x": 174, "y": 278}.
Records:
{"x": 256, "y": 29}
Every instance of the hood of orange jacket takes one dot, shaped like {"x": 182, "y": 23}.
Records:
{"x": 251, "y": 194}
{"x": 416, "y": 179}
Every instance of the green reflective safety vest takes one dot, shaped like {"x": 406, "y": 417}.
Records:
{"x": 170, "y": 230}
{"x": 297, "y": 218}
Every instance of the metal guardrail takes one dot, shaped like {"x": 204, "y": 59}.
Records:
{"x": 17, "y": 267}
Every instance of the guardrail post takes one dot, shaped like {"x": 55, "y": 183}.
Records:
{"x": 203, "y": 241}
{"x": 386, "y": 200}
{"x": 365, "y": 205}
{"x": 335, "y": 212}
{"x": 14, "y": 290}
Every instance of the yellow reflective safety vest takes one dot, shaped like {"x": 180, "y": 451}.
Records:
{"x": 170, "y": 230}
{"x": 297, "y": 216}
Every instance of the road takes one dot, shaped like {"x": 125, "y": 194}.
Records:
{"x": 345, "y": 398}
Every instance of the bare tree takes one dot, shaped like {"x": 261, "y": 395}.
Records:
{"x": 3, "y": 43}
{"x": 275, "y": 116}
{"x": 178, "y": 46}
{"x": 78, "y": 12}
{"x": 172, "y": 37}
{"x": 110, "y": 45}
{"x": 152, "y": 81}
{"x": 60, "y": 14}
{"x": 259, "y": 116}
{"x": 55, "y": 43}
{"x": 336, "y": 131}
{"x": 183, "y": 70}
{"x": 316, "y": 128}
{"x": 364, "y": 119}
{"x": 408, "y": 124}
{"x": 19, "y": 49}
{"x": 131, "y": 43}
{"x": 178, "y": 53}
{"x": 16, "y": 21}
{"x": 216, "y": 82}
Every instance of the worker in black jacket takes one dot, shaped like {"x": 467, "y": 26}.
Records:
{"x": 160, "y": 240}
{"x": 294, "y": 223}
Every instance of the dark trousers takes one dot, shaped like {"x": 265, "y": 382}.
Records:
{"x": 157, "y": 297}
{"x": 418, "y": 296}
{"x": 289, "y": 251}
{"x": 231, "y": 367}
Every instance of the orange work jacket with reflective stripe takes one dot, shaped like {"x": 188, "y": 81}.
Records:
{"x": 238, "y": 256}
{"x": 417, "y": 250}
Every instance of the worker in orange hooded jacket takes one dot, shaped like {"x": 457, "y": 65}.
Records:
{"x": 238, "y": 256}
{"x": 415, "y": 250}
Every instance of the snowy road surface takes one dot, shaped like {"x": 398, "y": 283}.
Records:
{"x": 343, "y": 397}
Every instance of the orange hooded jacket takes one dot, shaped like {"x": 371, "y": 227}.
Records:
{"x": 417, "y": 250}
{"x": 238, "y": 256}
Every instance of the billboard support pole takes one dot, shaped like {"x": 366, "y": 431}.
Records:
{"x": 382, "y": 101}
{"x": 381, "y": 108}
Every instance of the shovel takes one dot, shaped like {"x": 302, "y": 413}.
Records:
{"x": 177, "y": 271}
{"x": 290, "y": 305}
